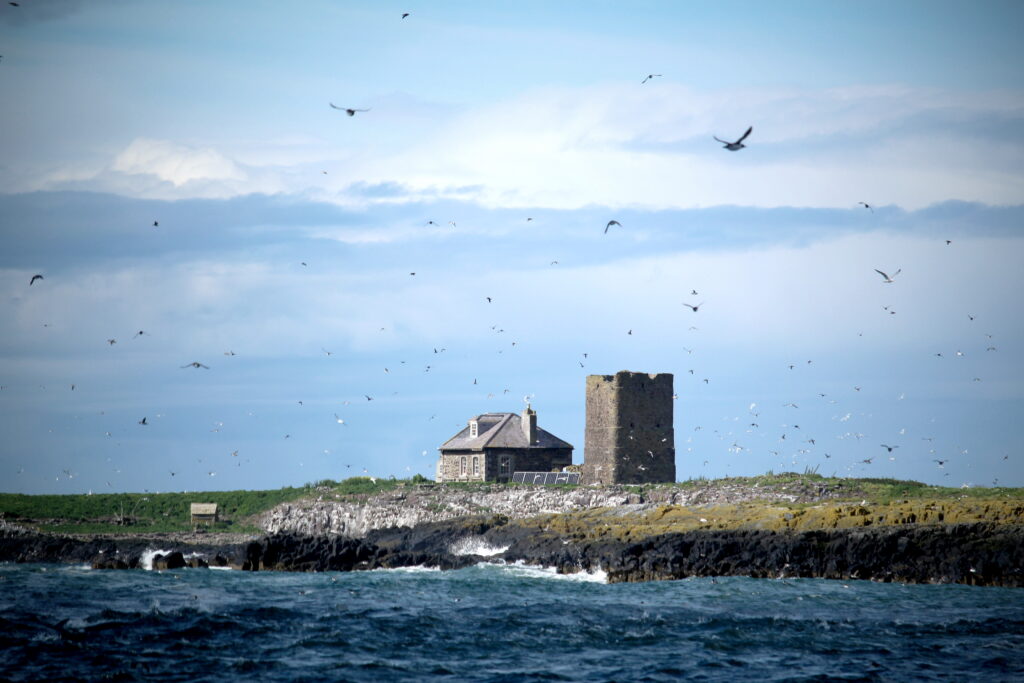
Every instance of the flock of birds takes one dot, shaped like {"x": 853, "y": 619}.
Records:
{"x": 789, "y": 428}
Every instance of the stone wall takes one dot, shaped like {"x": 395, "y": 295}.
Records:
{"x": 629, "y": 437}
{"x": 451, "y": 466}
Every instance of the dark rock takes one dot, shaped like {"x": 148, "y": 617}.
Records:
{"x": 105, "y": 562}
{"x": 172, "y": 560}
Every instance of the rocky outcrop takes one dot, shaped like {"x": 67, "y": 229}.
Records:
{"x": 976, "y": 554}
{"x": 414, "y": 505}
{"x": 123, "y": 552}
{"x": 630, "y": 535}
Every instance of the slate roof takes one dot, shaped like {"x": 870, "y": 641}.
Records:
{"x": 501, "y": 430}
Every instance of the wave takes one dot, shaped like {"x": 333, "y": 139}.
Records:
{"x": 146, "y": 561}
{"x": 533, "y": 571}
{"x": 475, "y": 545}
{"x": 408, "y": 570}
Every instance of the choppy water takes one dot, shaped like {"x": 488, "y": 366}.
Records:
{"x": 491, "y": 623}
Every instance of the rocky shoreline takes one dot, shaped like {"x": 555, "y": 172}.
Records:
{"x": 983, "y": 554}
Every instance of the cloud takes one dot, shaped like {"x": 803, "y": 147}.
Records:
{"x": 617, "y": 145}
{"x": 176, "y": 163}
{"x": 652, "y": 147}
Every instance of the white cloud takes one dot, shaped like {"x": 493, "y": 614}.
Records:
{"x": 620, "y": 145}
{"x": 652, "y": 147}
{"x": 176, "y": 163}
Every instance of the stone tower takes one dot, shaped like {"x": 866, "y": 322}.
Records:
{"x": 629, "y": 437}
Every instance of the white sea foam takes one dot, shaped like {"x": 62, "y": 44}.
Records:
{"x": 408, "y": 570}
{"x": 475, "y": 545}
{"x": 532, "y": 571}
{"x": 220, "y": 569}
{"x": 146, "y": 561}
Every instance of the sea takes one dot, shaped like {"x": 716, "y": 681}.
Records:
{"x": 495, "y": 622}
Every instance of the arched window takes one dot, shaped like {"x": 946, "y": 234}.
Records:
{"x": 463, "y": 466}
{"x": 476, "y": 466}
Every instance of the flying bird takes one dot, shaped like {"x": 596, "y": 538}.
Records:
{"x": 35, "y": 277}
{"x": 649, "y": 77}
{"x": 610, "y": 224}
{"x": 888, "y": 278}
{"x": 692, "y": 307}
{"x": 405, "y": 14}
{"x": 888, "y": 448}
{"x": 143, "y": 422}
{"x": 735, "y": 146}
{"x": 867, "y": 206}
{"x": 196, "y": 364}
{"x": 350, "y": 112}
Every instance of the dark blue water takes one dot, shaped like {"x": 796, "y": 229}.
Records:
{"x": 492, "y": 623}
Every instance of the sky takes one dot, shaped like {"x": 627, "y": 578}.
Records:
{"x": 355, "y": 288}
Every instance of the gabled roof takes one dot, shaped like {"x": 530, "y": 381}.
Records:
{"x": 501, "y": 430}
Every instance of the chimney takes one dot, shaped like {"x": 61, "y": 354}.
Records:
{"x": 529, "y": 422}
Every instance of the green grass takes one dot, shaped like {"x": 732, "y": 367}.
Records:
{"x": 169, "y": 512}
{"x": 874, "y": 489}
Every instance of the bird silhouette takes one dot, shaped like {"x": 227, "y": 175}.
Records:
{"x": 347, "y": 110}
{"x": 610, "y": 224}
{"x": 649, "y": 77}
{"x": 196, "y": 364}
{"x": 692, "y": 307}
{"x": 35, "y": 277}
{"x": 866, "y": 206}
{"x": 735, "y": 146}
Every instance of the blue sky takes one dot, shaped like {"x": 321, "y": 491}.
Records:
{"x": 519, "y": 129}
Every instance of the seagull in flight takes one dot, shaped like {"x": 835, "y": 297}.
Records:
{"x": 867, "y": 206}
{"x": 649, "y": 77}
{"x": 35, "y": 277}
{"x": 735, "y": 146}
{"x": 888, "y": 278}
{"x": 888, "y": 448}
{"x": 196, "y": 364}
{"x": 610, "y": 224}
{"x": 350, "y": 112}
{"x": 692, "y": 307}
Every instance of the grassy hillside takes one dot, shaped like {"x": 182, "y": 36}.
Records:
{"x": 169, "y": 512}
{"x": 161, "y": 512}
{"x": 881, "y": 491}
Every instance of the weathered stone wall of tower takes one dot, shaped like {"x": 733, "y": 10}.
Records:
{"x": 629, "y": 437}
